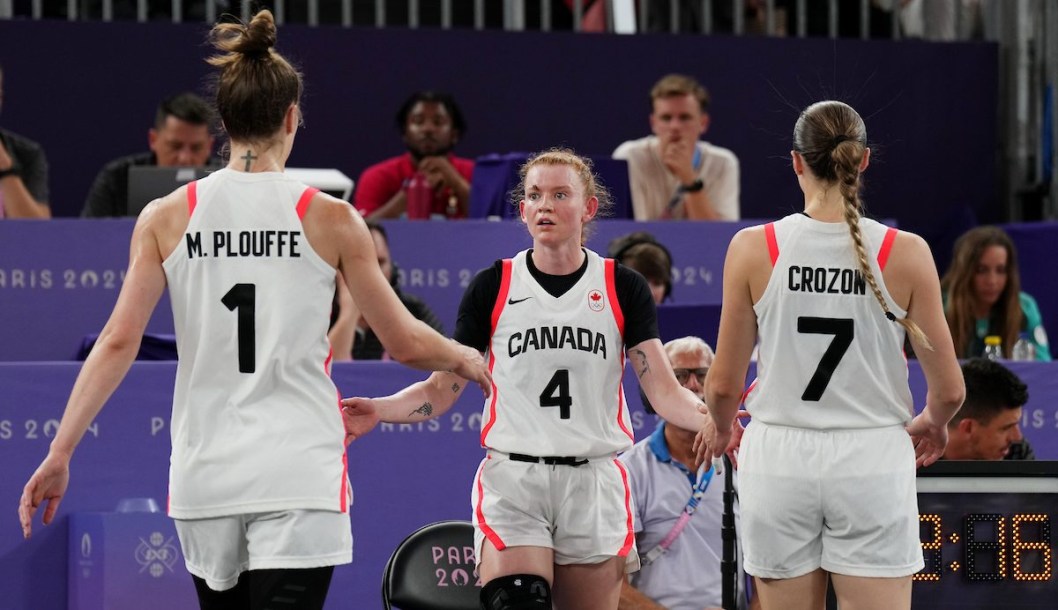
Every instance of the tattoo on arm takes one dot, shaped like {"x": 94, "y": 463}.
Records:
{"x": 455, "y": 388}
{"x": 425, "y": 410}
{"x": 641, "y": 365}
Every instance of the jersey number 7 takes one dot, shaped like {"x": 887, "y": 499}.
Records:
{"x": 842, "y": 330}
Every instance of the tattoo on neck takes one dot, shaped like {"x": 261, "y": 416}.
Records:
{"x": 641, "y": 365}
{"x": 249, "y": 157}
{"x": 425, "y": 410}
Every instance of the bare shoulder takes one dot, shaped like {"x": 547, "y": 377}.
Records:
{"x": 331, "y": 224}
{"x": 750, "y": 245}
{"x": 165, "y": 220}
{"x": 910, "y": 254}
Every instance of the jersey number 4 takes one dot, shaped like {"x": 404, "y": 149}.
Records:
{"x": 842, "y": 330}
{"x": 243, "y": 297}
{"x": 556, "y": 393}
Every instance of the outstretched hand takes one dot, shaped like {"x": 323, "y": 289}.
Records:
{"x": 47, "y": 485}
{"x": 929, "y": 439}
{"x": 359, "y": 416}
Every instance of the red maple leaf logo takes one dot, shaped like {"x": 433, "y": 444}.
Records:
{"x": 595, "y": 296}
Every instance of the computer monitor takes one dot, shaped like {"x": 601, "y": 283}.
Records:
{"x": 330, "y": 181}
{"x": 149, "y": 182}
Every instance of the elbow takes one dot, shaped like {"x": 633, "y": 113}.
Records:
{"x": 952, "y": 398}
{"x": 718, "y": 390}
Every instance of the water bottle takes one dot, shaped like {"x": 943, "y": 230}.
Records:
{"x": 993, "y": 347}
{"x": 1023, "y": 349}
{"x": 419, "y": 197}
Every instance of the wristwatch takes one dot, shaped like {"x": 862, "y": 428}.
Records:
{"x": 14, "y": 170}
{"x": 693, "y": 187}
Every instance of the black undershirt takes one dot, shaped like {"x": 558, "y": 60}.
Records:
{"x": 474, "y": 323}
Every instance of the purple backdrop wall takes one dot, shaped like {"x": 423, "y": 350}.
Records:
{"x": 87, "y": 92}
{"x": 402, "y": 476}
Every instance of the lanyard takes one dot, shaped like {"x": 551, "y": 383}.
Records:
{"x": 677, "y": 528}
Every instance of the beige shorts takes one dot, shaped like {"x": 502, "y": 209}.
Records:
{"x": 584, "y": 513}
{"x": 841, "y": 500}
{"x": 218, "y": 550}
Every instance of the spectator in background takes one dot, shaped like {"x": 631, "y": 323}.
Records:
{"x": 354, "y": 338}
{"x": 641, "y": 252}
{"x": 23, "y": 174}
{"x": 180, "y": 138}
{"x": 686, "y": 575}
{"x": 986, "y": 427}
{"x": 672, "y": 173}
{"x": 430, "y": 124}
{"x": 982, "y": 292}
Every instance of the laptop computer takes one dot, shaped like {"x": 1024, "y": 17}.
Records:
{"x": 149, "y": 182}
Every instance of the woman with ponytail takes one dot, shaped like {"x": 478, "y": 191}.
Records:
{"x": 827, "y": 466}
{"x": 258, "y": 482}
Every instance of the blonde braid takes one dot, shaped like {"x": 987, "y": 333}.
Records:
{"x": 848, "y": 183}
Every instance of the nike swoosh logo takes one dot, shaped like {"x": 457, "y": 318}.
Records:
{"x": 516, "y": 301}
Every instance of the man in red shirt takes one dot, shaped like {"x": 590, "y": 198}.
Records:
{"x": 431, "y": 124}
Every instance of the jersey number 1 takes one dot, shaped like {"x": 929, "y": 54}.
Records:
{"x": 842, "y": 329}
{"x": 244, "y": 297}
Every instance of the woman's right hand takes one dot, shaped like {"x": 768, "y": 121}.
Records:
{"x": 928, "y": 437}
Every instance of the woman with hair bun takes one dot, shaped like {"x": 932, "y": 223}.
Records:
{"x": 827, "y": 467}
{"x": 258, "y": 482}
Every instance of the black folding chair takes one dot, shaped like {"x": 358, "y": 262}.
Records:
{"x": 433, "y": 569}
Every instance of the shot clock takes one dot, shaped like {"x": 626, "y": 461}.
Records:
{"x": 987, "y": 535}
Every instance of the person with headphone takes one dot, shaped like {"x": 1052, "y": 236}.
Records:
{"x": 641, "y": 252}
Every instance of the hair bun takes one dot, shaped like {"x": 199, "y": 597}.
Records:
{"x": 259, "y": 36}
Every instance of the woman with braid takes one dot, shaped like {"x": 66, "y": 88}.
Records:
{"x": 827, "y": 467}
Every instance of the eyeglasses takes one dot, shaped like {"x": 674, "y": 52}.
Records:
{"x": 683, "y": 375}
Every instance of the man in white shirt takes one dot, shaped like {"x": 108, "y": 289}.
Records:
{"x": 672, "y": 173}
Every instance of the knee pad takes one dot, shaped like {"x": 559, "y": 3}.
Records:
{"x": 516, "y": 592}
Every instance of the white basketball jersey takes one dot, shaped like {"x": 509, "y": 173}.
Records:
{"x": 556, "y": 366}
{"x": 256, "y": 423}
{"x": 828, "y": 357}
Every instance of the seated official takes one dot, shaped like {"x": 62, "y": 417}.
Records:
{"x": 180, "y": 138}
{"x": 23, "y": 174}
{"x": 686, "y": 574}
{"x": 987, "y": 425}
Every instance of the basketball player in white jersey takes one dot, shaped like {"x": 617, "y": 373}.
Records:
{"x": 258, "y": 483}
{"x": 827, "y": 466}
{"x": 551, "y": 504}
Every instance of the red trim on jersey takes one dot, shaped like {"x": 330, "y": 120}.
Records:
{"x": 490, "y": 533}
{"x": 619, "y": 318}
{"x": 192, "y": 196}
{"x": 343, "y": 493}
{"x": 621, "y": 406}
{"x": 305, "y": 200}
{"x": 345, "y": 482}
{"x": 773, "y": 246}
{"x": 497, "y": 309}
{"x": 887, "y": 245}
{"x": 745, "y": 394}
{"x": 611, "y": 294}
{"x": 630, "y": 537}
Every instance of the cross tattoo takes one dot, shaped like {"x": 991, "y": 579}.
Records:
{"x": 249, "y": 158}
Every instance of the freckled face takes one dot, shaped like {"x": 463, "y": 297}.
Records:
{"x": 554, "y": 207}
